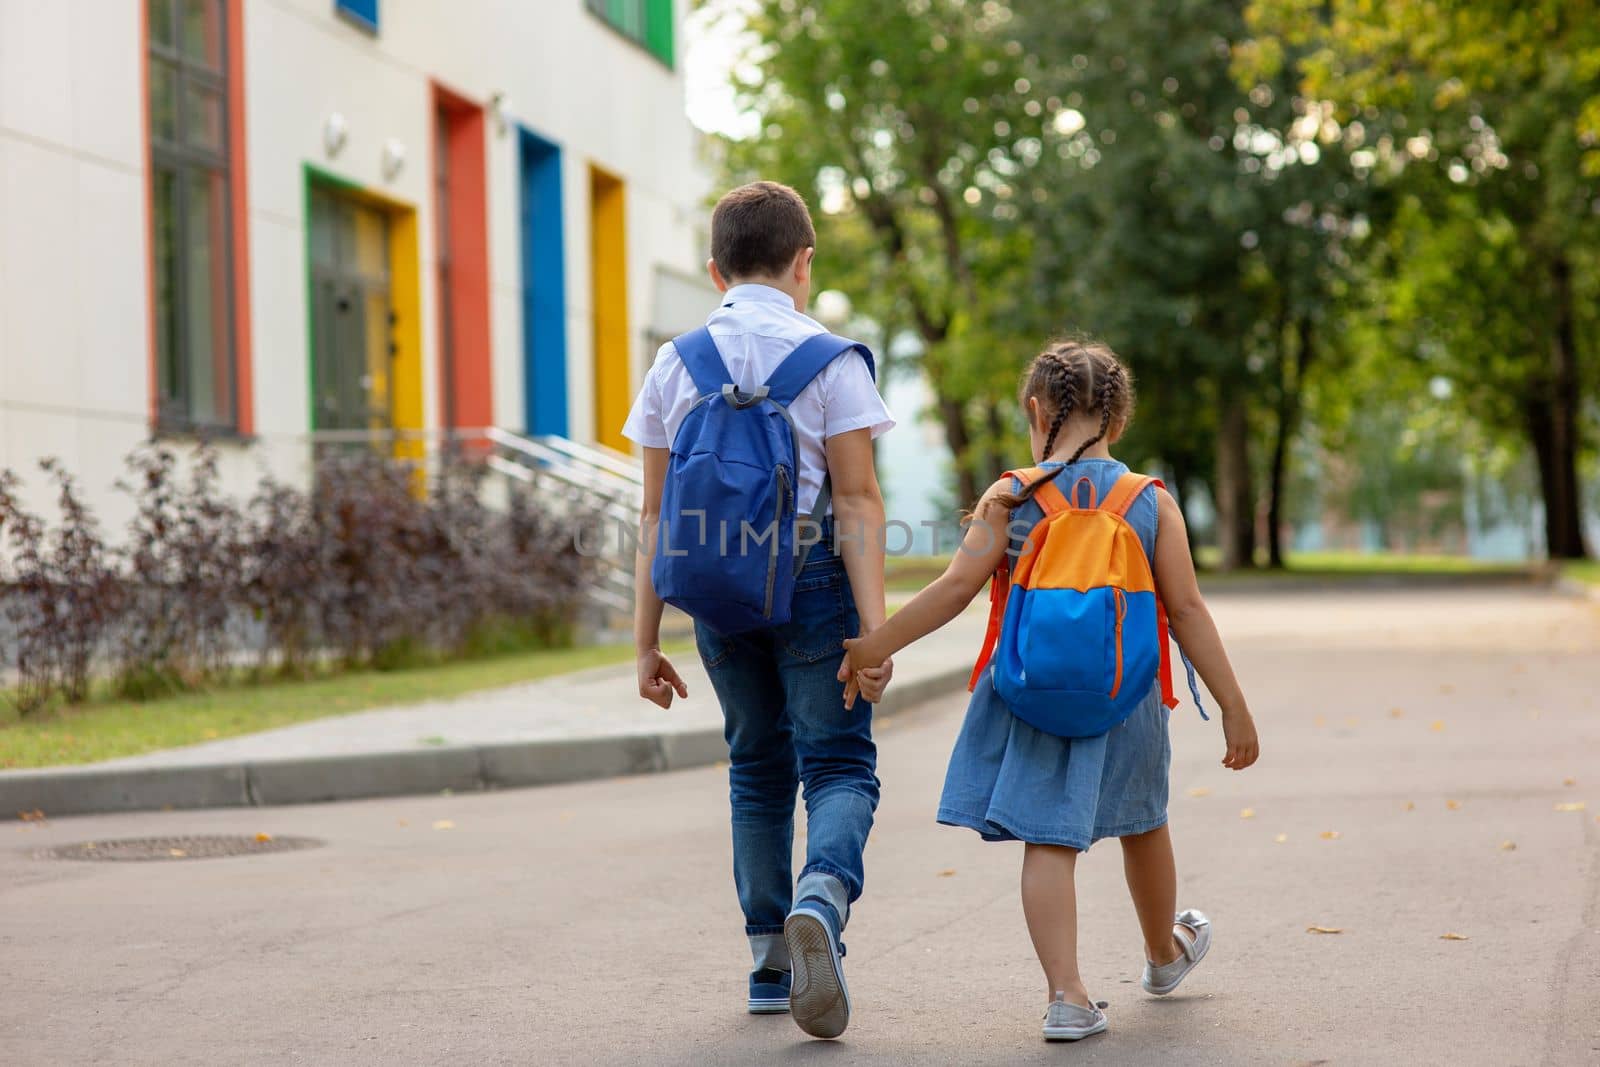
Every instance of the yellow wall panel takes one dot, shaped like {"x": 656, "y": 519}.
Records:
{"x": 613, "y": 382}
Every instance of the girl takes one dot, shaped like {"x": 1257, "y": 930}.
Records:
{"x": 1011, "y": 782}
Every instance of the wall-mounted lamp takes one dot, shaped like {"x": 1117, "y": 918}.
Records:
{"x": 500, "y": 111}
{"x": 335, "y": 134}
{"x": 394, "y": 159}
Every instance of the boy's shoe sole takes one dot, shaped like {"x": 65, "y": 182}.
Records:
{"x": 819, "y": 999}
{"x": 764, "y": 1006}
{"x": 1052, "y": 1033}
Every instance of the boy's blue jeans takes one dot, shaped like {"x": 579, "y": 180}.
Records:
{"x": 787, "y": 726}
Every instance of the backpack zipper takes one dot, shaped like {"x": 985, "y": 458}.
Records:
{"x": 1122, "y": 611}
{"x": 772, "y": 553}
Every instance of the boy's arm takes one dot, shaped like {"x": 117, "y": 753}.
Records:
{"x": 658, "y": 680}
{"x": 974, "y": 563}
{"x": 1195, "y": 630}
{"x": 858, "y": 521}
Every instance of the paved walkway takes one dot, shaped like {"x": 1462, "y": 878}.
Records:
{"x": 585, "y": 725}
{"x": 594, "y": 923}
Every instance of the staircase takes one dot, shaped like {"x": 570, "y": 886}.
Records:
{"x": 581, "y": 479}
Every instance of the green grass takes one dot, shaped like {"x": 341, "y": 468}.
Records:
{"x": 108, "y": 729}
{"x": 1585, "y": 571}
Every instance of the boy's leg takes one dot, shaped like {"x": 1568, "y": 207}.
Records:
{"x": 838, "y": 759}
{"x": 762, "y": 780}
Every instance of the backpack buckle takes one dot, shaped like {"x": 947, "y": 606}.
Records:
{"x": 740, "y": 399}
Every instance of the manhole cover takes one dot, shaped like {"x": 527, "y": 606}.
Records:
{"x": 135, "y": 849}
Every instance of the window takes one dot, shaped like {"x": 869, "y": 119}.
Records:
{"x": 191, "y": 220}
{"x": 364, "y": 13}
{"x": 646, "y": 22}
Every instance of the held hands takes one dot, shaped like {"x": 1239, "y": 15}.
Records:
{"x": 658, "y": 679}
{"x": 864, "y": 672}
{"x": 1239, "y": 730}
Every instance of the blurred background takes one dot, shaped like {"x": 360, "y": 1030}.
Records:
{"x": 1349, "y": 250}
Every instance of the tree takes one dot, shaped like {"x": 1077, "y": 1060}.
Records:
{"x": 1202, "y": 219}
{"x": 1485, "y": 116}
{"x": 914, "y": 127}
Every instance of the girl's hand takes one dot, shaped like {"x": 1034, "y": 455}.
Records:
{"x": 658, "y": 679}
{"x": 1239, "y": 730}
{"x": 869, "y": 682}
{"x": 859, "y": 659}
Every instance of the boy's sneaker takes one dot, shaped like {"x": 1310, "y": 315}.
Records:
{"x": 819, "y": 1000}
{"x": 769, "y": 992}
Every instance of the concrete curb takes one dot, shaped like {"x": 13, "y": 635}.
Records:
{"x": 91, "y": 790}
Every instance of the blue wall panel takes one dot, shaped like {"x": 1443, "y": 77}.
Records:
{"x": 544, "y": 289}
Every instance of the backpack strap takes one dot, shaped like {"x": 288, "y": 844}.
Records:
{"x": 702, "y": 360}
{"x": 1000, "y": 585}
{"x": 1126, "y": 491}
{"x": 807, "y": 361}
{"x": 798, "y": 370}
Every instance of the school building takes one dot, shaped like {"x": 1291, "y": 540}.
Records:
{"x": 267, "y": 221}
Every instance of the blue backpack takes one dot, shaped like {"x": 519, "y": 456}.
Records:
{"x": 725, "y": 549}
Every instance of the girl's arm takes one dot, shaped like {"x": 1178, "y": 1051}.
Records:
{"x": 1192, "y": 625}
{"x": 975, "y": 561}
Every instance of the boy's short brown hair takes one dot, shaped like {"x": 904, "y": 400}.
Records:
{"x": 758, "y": 229}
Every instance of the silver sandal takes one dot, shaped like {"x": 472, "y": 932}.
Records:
{"x": 1164, "y": 978}
{"x": 1072, "y": 1022}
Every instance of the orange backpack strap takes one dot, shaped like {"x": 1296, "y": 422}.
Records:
{"x": 1118, "y": 501}
{"x": 1000, "y": 587}
{"x": 1126, "y": 491}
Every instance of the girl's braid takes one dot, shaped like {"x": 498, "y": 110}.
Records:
{"x": 1107, "y": 390}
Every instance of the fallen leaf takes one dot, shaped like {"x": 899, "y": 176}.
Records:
{"x": 948, "y": 873}
{"x": 31, "y": 816}
{"x": 263, "y": 837}
{"x": 1453, "y": 805}
{"x": 1534, "y": 713}
{"x": 176, "y": 853}
{"x": 1281, "y": 838}
{"x": 1569, "y": 781}
{"x": 1411, "y": 805}
{"x": 1573, "y": 805}
{"x": 1447, "y": 689}
{"x": 1324, "y": 929}
{"x": 210, "y": 735}
{"x": 1247, "y": 813}
{"x": 1319, "y": 721}
{"x": 1352, "y": 721}
{"x": 1453, "y": 937}
{"x": 1330, "y": 835}
{"x": 1199, "y": 791}
{"x": 443, "y": 824}
{"x": 1437, "y": 726}
{"x": 1396, "y": 713}
{"x": 1508, "y": 846}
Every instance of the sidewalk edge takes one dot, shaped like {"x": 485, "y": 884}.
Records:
{"x": 94, "y": 790}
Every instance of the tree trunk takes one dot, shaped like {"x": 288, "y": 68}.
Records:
{"x": 1236, "y": 513}
{"x": 1553, "y": 427}
{"x": 1289, "y": 406}
{"x": 953, "y": 415}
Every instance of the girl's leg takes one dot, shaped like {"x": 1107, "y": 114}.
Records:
{"x": 1153, "y": 884}
{"x": 1050, "y": 903}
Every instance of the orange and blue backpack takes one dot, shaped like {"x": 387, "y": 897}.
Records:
{"x": 1077, "y": 633}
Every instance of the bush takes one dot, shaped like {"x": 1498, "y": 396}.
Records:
{"x": 364, "y": 568}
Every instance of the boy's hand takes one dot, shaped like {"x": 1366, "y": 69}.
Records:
{"x": 658, "y": 679}
{"x": 865, "y": 671}
{"x": 869, "y": 682}
{"x": 1239, "y": 730}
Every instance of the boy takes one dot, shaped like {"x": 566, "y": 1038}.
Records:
{"x": 782, "y": 703}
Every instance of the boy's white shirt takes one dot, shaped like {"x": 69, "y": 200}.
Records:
{"x": 755, "y": 328}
